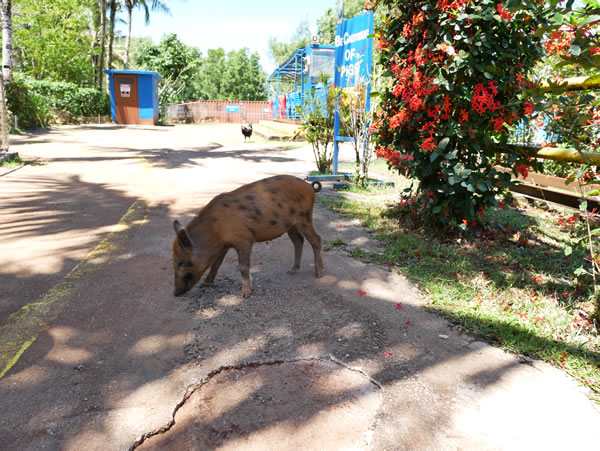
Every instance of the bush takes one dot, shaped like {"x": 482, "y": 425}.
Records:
{"x": 29, "y": 108}
{"x": 38, "y": 103}
{"x": 458, "y": 70}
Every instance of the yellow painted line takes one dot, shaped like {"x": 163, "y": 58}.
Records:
{"x": 25, "y": 325}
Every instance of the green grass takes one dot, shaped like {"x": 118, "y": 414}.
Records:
{"x": 510, "y": 283}
{"x": 330, "y": 244}
{"x": 12, "y": 162}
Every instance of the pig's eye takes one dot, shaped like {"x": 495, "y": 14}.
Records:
{"x": 185, "y": 265}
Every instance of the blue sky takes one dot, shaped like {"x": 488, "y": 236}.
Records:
{"x": 231, "y": 24}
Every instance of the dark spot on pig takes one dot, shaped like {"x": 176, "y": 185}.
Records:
{"x": 273, "y": 222}
{"x": 279, "y": 205}
{"x": 292, "y": 210}
{"x": 273, "y": 190}
{"x": 275, "y": 214}
{"x": 243, "y": 207}
{"x": 252, "y": 231}
{"x": 236, "y": 201}
{"x": 188, "y": 278}
{"x": 253, "y": 217}
{"x": 306, "y": 215}
{"x": 250, "y": 197}
{"x": 257, "y": 212}
{"x": 288, "y": 225}
{"x": 225, "y": 204}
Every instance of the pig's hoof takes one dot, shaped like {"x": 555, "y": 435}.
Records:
{"x": 294, "y": 270}
{"x": 318, "y": 273}
{"x": 246, "y": 292}
{"x": 207, "y": 283}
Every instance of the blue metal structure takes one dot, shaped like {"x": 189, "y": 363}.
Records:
{"x": 303, "y": 69}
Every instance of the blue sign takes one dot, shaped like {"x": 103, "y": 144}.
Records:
{"x": 353, "y": 63}
{"x": 353, "y": 51}
{"x": 232, "y": 108}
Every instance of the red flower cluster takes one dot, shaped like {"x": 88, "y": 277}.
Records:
{"x": 428, "y": 144}
{"x": 505, "y": 14}
{"x": 559, "y": 42}
{"x": 399, "y": 119}
{"x": 483, "y": 98}
{"x": 523, "y": 169}
{"x": 451, "y": 5}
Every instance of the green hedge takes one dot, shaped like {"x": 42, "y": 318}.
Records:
{"x": 39, "y": 103}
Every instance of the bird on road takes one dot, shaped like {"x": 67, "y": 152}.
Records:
{"x": 247, "y": 131}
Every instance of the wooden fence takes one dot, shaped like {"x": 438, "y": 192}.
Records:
{"x": 555, "y": 189}
{"x": 218, "y": 111}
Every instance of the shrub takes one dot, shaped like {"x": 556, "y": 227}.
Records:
{"x": 458, "y": 71}
{"x": 38, "y": 103}
{"x": 28, "y": 107}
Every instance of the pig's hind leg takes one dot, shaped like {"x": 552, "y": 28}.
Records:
{"x": 298, "y": 241}
{"x": 306, "y": 228}
{"x": 214, "y": 268}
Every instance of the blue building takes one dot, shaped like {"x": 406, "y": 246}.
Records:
{"x": 133, "y": 96}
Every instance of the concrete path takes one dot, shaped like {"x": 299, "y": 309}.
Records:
{"x": 96, "y": 353}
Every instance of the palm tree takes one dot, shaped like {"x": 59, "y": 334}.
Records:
{"x": 129, "y": 5}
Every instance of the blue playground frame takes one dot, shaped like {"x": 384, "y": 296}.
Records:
{"x": 304, "y": 68}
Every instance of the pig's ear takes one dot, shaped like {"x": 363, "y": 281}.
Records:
{"x": 182, "y": 235}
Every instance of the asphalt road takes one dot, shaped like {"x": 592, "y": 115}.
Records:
{"x": 97, "y": 353}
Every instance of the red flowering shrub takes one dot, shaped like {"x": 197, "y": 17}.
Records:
{"x": 458, "y": 70}
{"x": 573, "y": 118}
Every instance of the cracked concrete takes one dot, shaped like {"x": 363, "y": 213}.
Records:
{"x": 125, "y": 359}
{"x": 346, "y": 399}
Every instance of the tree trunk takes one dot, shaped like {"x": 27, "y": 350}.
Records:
{"x": 111, "y": 31}
{"x": 128, "y": 37}
{"x": 7, "y": 39}
{"x": 102, "y": 5}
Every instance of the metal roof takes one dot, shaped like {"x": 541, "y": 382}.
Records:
{"x": 137, "y": 72}
{"x": 290, "y": 68}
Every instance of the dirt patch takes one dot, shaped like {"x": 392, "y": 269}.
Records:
{"x": 286, "y": 405}
{"x": 285, "y": 318}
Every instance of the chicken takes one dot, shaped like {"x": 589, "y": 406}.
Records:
{"x": 247, "y": 131}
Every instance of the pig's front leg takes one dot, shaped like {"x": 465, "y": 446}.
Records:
{"x": 210, "y": 278}
{"x": 244, "y": 251}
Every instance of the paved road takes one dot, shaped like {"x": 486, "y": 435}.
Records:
{"x": 96, "y": 353}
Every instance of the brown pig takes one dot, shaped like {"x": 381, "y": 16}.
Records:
{"x": 259, "y": 211}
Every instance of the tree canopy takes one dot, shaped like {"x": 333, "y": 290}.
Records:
{"x": 187, "y": 75}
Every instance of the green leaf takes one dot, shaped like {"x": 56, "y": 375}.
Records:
{"x": 454, "y": 179}
{"x": 583, "y": 205}
{"x": 568, "y": 250}
{"x": 575, "y": 50}
{"x": 433, "y": 156}
{"x": 443, "y": 143}
{"x": 436, "y": 209}
{"x": 451, "y": 155}
{"x": 580, "y": 271}
{"x": 488, "y": 75}
{"x": 595, "y": 192}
